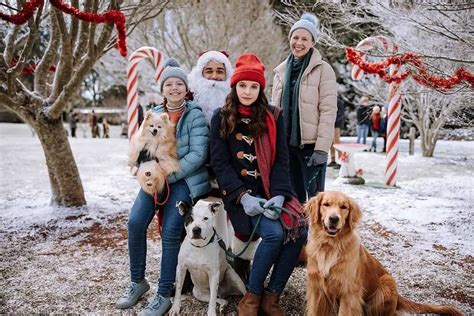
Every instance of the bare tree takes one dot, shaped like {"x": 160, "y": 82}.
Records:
{"x": 190, "y": 27}
{"x": 51, "y": 38}
{"x": 429, "y": 110}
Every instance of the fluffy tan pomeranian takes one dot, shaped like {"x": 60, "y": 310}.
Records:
{"x": 152, "y": 152}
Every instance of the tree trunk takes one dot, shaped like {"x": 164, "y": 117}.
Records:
{"x": 66, "y": 185}
{"x": 428, "y": 142}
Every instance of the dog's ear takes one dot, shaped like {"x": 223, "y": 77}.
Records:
{"x": 215, "y": 207}
{"x": 148, "y": 116}
{"x": 165, "y": 118}
{"x": 355, "y": 213}
{"x": 183, "y": 207}
{"x": 312, "y": 208}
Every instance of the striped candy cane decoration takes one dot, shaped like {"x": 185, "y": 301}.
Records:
{"x": 140, "y": 54}
{"x": 394, "y": 104}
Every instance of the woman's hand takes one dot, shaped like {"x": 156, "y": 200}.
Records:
{"x": 252, "y": 204}
{"x": 318, "y": 158}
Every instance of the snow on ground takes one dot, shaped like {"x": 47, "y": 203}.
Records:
{"x": 75, "y": 260}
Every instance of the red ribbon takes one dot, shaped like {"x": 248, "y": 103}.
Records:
{"x": 111, "y": 16}
{"x": 423, "y": 76}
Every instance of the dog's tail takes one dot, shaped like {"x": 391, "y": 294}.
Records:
{"x": 406, "y": 305}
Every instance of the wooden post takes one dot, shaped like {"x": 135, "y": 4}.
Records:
{"x": 412, "y": 136}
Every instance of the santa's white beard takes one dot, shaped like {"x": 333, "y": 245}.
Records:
{"x": 210, "y": 95}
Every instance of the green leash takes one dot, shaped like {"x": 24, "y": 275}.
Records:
{"x": 277, "y": 209}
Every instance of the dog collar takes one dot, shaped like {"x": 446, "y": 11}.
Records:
{"x": 210, "y": 240}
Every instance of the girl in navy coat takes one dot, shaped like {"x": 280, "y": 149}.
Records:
{"x": 187, "y": 184}
{"x": 250, "y": 158}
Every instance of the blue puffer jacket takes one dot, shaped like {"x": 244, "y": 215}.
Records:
{"x": 192, "y": 139}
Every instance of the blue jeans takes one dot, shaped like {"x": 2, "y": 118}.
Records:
{"x": 362, "y": 133}
{"x": 272, "y": 252}
{"x": 142, "y": 213}
{"x": 375, "y": 134}
{"x": 306, "y": 181}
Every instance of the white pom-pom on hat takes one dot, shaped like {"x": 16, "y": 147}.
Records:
{"x": 310, "y": 17}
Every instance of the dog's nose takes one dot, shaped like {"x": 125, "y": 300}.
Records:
{"x": 196, "y": 231}
{"x": 148, "y": 173}
{"x": 155, "y": 131}
{"x": 333, "y": 219}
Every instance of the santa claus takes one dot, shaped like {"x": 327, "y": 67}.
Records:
{"x": 209, "y": 81}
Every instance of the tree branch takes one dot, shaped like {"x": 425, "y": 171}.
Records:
{"x": 82, "y": 43}
{"x": 41, "y": 73}
{"x": 5, "y": 100}
{"x": 65, "y": 65}
{"x": 69, "y": 90}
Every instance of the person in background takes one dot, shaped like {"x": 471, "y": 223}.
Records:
{"x": 363, "y": 120}
{"x": 93, "y": 123}
{"x": 105, "y": 127}
{"x": 73, "y": 122}
{"x": 304, "y": 86}
{"x": 383, "y": 127}
{"x": 374, "y": 127}
{"x": 338, "y": 125}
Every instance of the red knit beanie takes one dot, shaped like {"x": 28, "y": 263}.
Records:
{"x": 248, "y": 67}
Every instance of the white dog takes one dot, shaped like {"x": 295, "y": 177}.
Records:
{"x": 154, "y": 141}
{"x": 205, "y": 260}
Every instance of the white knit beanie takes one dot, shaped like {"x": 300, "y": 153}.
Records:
{"x": 309, "y": 22}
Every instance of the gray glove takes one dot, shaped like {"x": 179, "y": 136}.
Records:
{"x": 318, "y": 158}
{"x": 277, "y": 200}
{"x": 252, "y": 205}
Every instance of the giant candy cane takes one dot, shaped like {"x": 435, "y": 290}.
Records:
{"x": 394, "y": 103}
{"x": 132, "y": 83}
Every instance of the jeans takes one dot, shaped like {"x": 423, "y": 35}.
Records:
{"x": 272, "y": 252}
{"x": 141, "y": 215}
{"x": 306, "y": 181}
{"x": 375, "y": 134}
{"x": 362, "y": 132}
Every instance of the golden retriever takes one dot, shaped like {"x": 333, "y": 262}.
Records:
{"x": 343, "y": 278}
{"x": 152, "y": 152}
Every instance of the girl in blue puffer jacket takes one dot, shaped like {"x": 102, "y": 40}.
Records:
{"x": 190, "y": 182}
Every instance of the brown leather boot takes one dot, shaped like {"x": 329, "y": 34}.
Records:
{"x": 269, "y": 304}
{"x": 249, "y": 305}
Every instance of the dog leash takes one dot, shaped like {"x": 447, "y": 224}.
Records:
{"x": 229, "y": 252}
{"x": 277, "y": 209}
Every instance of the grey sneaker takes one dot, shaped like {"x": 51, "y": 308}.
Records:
{"x": 132, "y": 294}
{"x": 158, "y": 307}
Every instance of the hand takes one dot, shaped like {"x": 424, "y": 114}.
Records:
{"x": 271, "y": 214}
{"x": 252, "y": 205}
{"x": 277, "y": 200}
{"x": 318, "y": 158}
{"x": 133, "y": 170}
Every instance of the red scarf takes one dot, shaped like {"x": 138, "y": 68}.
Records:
{"x": 265, "y": 148}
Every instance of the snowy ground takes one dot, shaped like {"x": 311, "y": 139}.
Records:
{"x": 75, "y": 261}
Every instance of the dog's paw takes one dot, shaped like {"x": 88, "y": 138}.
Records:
{"x": 133, "y": 170}
{"x": 174, "y": 311}
{"x": 212, "y": 313}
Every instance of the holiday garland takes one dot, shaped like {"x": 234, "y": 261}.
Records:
{"x": 111, "y": 16}
{"x": 423, "y": 76}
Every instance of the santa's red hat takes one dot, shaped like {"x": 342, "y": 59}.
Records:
{"x": 249, "y": 67}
